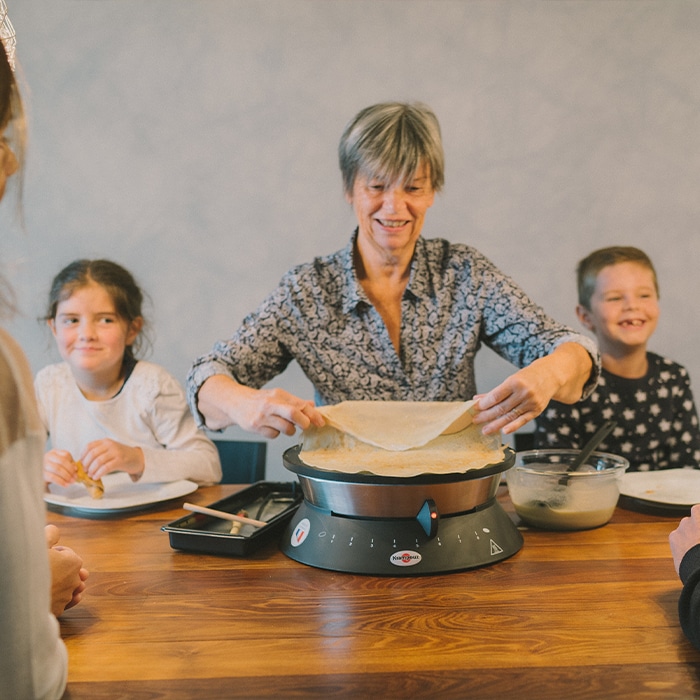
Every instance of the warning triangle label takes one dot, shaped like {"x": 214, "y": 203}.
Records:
{"x": 495, "y": 549}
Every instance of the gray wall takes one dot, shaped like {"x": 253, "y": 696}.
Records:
{"x": 194, "y": 142}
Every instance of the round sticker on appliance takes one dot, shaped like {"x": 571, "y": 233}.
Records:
{"x": 301, "y": 532}
{"x": 407, "y": 557}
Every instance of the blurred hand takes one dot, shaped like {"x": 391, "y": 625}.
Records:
{"x": 67, "y": 573}
{"x": 685, "y": 536}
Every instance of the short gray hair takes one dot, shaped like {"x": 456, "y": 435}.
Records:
{"x": 391, "y": 140}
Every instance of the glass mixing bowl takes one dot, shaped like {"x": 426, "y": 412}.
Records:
{"x": 546, "y": 495}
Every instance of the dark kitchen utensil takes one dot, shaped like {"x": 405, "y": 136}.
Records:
{"x": 589, "y": 448}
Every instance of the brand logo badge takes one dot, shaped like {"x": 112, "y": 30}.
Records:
{"x": 301, "y": 532}
{"x": 405, "y": 558}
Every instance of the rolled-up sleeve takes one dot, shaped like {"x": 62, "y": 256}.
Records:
{"x": 590, "y": 346}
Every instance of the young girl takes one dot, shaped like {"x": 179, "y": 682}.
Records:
{"x": 104, "y": 407}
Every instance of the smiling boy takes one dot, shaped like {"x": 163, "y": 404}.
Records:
{"x": 647, "y": 395}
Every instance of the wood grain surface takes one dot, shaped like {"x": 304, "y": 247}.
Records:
{"x": 589, "y": 614}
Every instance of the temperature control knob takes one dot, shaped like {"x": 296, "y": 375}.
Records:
{"x": 428, "y": 518}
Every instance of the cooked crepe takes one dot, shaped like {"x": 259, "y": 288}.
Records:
{"x": 398, "y": 438}
{"x": 95, "y": 487}
{"x": 398, "y": 425}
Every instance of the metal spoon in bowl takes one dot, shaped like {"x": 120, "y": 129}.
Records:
{"x": 589, "y": 448}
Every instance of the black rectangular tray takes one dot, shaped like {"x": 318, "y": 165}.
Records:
{"x": 273, "y": 502}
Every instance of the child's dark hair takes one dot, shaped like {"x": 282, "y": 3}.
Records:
{"x": 589, "y": 268}
{"x": 116, "y": 280}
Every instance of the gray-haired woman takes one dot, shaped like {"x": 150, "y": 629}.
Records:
{"x": 392, "y": 316}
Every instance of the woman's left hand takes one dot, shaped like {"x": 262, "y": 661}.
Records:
{"x": 560, "y": 375}
{"x": 101, "y": 457}
{"x": 519, "y": 399}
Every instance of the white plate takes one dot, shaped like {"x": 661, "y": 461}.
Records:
{"x": 121, "y": 495}
{"x": 678, "y": 487}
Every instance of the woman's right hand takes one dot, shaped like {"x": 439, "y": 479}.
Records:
{"x": 59, "y": 468}
{"x": 268, "y": 412}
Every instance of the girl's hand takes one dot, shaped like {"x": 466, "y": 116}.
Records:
{"x": 102, "y": 457}
{"x": 59, "y": 468}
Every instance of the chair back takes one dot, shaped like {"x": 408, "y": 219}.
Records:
{"x": 524, "y": 441}
{"x": 242, "y": 462}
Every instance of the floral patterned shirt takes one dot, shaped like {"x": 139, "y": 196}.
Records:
{"x": 657, "y": 423}
{"x": 319, "y": 315}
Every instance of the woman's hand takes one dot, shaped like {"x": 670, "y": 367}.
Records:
{"x": 104, "y": 456}
{"x": 560, "y": 375}
{"x": 517, "y": 400}
{"x": 59, "y": 468}
{"x": 685, "y": 536}
{"x": 67, "y": 573}
{"x": 268, "y": 412}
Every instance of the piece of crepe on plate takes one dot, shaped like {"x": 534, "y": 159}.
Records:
{"x": 399, "y": 438}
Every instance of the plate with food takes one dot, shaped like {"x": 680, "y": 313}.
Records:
{"x": 675, "y": 488}
{"x": 115, "y": 493}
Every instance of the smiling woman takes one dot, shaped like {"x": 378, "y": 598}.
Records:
{"x": 390, "y": 218}
{"x": 390, "y": 215}
{"x": 391, "y": 316}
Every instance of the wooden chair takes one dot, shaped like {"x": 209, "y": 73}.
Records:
{"x": 242, "y": 462}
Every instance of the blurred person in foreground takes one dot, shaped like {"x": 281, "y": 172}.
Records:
{"x": 40, "y": 578}
{"x": 685, "y": 548}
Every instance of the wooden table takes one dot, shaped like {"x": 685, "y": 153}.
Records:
{"x": 572, "y": 615}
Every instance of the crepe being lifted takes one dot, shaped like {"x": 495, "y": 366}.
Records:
{"x": 399, "y": 438}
